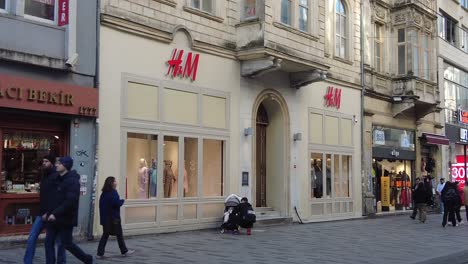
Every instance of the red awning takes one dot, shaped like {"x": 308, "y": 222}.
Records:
{"x": 436, "y": 139}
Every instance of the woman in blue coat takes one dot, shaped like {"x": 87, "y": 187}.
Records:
{"x": 109, "y": 210}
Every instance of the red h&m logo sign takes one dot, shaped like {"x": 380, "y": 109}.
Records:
{"x": 178, "y": 67}
{"x": 333, "y": 97}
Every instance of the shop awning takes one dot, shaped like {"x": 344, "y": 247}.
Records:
{"x": 435, "y": 139}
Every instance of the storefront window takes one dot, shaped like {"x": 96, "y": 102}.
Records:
{"x": 213, "y": 167}
{"x": 171, "y": 166}
{"x": 191, "y": 167}
{"x": 141, "y": 165}
{"x": 316, "y": 175}
{"x": 44, "y": 9}
{"x": 2, "y": 4}
{"x": 328, "y": 167}
{"x": 346, "y": 174}
{"x": 22, "y": 157}
{"x": 336, "y": 175}
{"x": 393, "y": 183}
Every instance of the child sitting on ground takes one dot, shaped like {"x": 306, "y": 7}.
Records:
{"x": 247, "y": 215}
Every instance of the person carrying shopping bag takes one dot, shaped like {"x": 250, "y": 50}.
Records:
{"x": 109, "y": 210}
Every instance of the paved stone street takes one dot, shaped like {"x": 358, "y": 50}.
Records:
{"x": 392, "y": 239}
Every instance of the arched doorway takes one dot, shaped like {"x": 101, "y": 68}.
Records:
{"x": 271, "y": 152}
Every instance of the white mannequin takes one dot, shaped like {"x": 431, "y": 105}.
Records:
{"x": 143, "y": 179}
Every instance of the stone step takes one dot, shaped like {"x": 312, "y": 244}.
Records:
{"x": 263, "y": 209}
{"x": 270, "y": 221}
{"x": 267, "y": 214}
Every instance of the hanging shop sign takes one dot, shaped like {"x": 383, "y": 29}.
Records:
{"x": 379, "y": 137}
{"x": 23, "y": 93}
{"x": 458, "y": 170}
{"x": 333, "y": 97}
{"x": 183, "y": 66}
{"x": 463, "y": 135}
{"x": 63, "y": 13}
{"x": 463, "y": 117}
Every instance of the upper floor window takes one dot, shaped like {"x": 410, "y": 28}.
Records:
{"x": 286, "y": 12}
{"x": 303, "y": 15}
{"x": 204, "y": 5}
{"x": 41, "y": 9}
{"x": 378, "y": 48}
{"x": 464, "y": 3}
{"x": 414, "y": 39}
{"x": 464, "y": 40}
{"x": 447, "y": 28}
{"x": 340, "y": 23}
{"x": 425, "y": 56}
{"x": 401, "y": 51}
{"x": 250, "y": 9}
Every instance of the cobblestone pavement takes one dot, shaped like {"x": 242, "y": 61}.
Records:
{"x": 391, "y": 239}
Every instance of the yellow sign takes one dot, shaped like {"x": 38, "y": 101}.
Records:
{"x": 385, "y": 190}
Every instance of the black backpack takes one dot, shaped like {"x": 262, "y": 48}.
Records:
{"x": 451, "y": 196}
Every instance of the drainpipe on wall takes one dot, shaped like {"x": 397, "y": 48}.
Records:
{"x": 72, "y": 56}
{"x": 368, "y": 201}
{"x": 96, "y": 128}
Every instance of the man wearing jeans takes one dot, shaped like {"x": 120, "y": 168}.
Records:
{"x": 439, "y": 189}
{"x": 64, "y": 215}
{"x": 47, "y": 170}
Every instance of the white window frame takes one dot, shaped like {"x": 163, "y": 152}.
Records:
{"x": 464, "y": 38}
{"x": 378, "y": 41}
{"x": 5, "y": 11}
{"x": 307, "y": 21}
{"x": 213, "y": 7}
{"x": 38, "y": 19}
{"x": 341, "y": 36}
{"x": 402, "y": 44}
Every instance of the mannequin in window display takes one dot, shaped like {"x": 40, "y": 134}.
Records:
{"x": 153, "y": 176}
{"x": 318, "y": 179}
{"x": 142, "y": 179}
{"x": 169, "y": 178}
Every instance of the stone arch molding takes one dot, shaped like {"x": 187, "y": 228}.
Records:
{"x": 182, "y": 37}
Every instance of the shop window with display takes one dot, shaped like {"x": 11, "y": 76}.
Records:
{"x": 337, "y": 169}
{"x": 22, "y": 155}
{"x": 142, "y": 170}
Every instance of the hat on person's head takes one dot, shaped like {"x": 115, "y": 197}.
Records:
{"x": 50, "y": 157}
{"x": 442, "y": 179}
{"x": 67, "y": 162}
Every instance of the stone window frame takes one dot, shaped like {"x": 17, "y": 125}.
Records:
{"x": 379, "y": 40}
{"x": 312, "y": 23}
{"x": 214, "y": 15}
{"x": 342, "y": 36}
{"x": 399, "y": 44}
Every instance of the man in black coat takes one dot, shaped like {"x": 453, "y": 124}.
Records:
{"x": 63, "y": 215}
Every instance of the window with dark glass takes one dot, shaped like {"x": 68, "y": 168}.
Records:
{"x": 44, "y": 9}
{"x": 401, "y": 51}
{"x": 447, "y": 28}
{"x": 2, "y": 4}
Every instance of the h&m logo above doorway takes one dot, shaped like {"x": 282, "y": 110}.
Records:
{"x": 187, "y": 67}
{"x": 333, "y": 97}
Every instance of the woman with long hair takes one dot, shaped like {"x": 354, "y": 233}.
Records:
{"x": 109, "y": 210}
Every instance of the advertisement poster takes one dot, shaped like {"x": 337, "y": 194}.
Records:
{"x": 385, "y": 190}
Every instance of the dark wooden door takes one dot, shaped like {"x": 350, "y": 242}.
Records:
{"x": 261, "y": 137}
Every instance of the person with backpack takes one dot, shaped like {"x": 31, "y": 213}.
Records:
{"x": 247, "y": 215}
{"x": 450, "y": 198}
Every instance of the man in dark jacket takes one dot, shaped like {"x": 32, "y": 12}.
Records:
{"x": 421, "y": 199}
{"x": 47, "y": 179}
{"x": 449, "y": 198}
{"x": 64, "y": 212}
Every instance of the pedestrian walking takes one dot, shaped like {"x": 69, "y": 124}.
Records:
{"x": 64, "y": 212}
{"x": 415, "y": 209}
{"x": 439, "y": 189}
{"x": 47, "y": 171}
{"x": 465, "y": 199}
{"x": 450, "y": 198}
{"x": 109, "y": 211}
{"x": 421, "y": 199}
